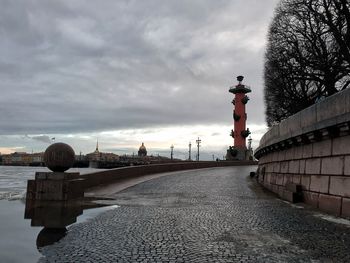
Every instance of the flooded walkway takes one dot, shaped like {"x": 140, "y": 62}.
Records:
{"x": 209, "y": 215}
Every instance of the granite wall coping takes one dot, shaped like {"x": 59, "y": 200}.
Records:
{"x": 108, "y": 176}
{"x": 329, "y": 112}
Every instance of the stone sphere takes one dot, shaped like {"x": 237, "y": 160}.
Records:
{"x": 59, "y": 157}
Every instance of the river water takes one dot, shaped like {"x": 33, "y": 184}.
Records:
{"x": 13, "y": 179}
{"x": 18, "y": 239}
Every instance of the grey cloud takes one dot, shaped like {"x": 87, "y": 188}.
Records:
{"x": 72, "y": 66}
{"x": 42, "y": 138}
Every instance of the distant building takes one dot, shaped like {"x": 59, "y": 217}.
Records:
{"x": 109, "y": 157}
{"x": 37, "y": 157}
{"x": 94, "y": 156}
{"x": 97, "y": 159}
{"x": 98, "y": 156}
{"x": 23, "y": 158}
{"x": 142, "y": 151}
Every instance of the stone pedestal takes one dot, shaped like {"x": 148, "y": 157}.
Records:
{"x": 54, "y": 198}
{"x": 237, "y": 154}
{"x": 55, "y": 186}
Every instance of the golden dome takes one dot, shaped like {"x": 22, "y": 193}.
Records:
{"x": 142, "y": 147}
{"x": 142, "y": 150}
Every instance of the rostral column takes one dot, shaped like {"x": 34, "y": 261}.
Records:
{"x": 240, "y": 133}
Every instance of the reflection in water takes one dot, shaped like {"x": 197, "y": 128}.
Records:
{"x": 48, "y": 236}
{"x": 54, "y": 216}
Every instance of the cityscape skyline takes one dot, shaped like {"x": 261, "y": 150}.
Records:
{"x": 158, "y": 141}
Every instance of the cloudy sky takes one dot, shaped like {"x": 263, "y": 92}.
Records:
{"x": 128, "y": 72}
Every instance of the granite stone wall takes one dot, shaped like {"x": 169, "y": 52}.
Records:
{"x": 311, "y": 149}
{"x": 112, "y": 175}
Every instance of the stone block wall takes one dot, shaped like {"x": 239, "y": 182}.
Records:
{"x": 312, "y": 149}
{"x": 321, "y": 168}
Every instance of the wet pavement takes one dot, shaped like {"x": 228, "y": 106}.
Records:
{"x": 209, "y": 215}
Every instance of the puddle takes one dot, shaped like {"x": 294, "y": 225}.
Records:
{"x": 44, "y": 224}
{"x": 291, "y": 204}
{"x": 91, "y": 213}
{"x": 334, "y": 219}
{"x": 56, "y": 216}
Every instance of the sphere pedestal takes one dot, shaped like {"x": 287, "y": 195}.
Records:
{"x": 56, "y": 185}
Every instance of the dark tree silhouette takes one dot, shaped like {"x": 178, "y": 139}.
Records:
{"x": 307, "y": 55}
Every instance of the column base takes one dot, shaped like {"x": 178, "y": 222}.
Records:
{"x": 238, "y": 154}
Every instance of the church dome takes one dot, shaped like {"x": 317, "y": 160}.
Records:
{"x": 142, "y": 150}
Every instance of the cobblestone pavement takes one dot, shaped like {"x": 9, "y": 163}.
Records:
{"x": 211, "y": 215}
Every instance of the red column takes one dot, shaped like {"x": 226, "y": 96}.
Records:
{"x": 239, "y": 115}
{"x": 240, "y": 125}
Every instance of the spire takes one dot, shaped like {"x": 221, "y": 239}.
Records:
{"x": 97, "y": 146}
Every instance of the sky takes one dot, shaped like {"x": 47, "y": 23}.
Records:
{"x": 125, "y": 72}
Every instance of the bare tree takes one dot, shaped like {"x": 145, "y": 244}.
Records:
{"x": 307, "y": 55}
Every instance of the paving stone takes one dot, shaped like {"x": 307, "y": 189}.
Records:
{"x": 211, "y": 215}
